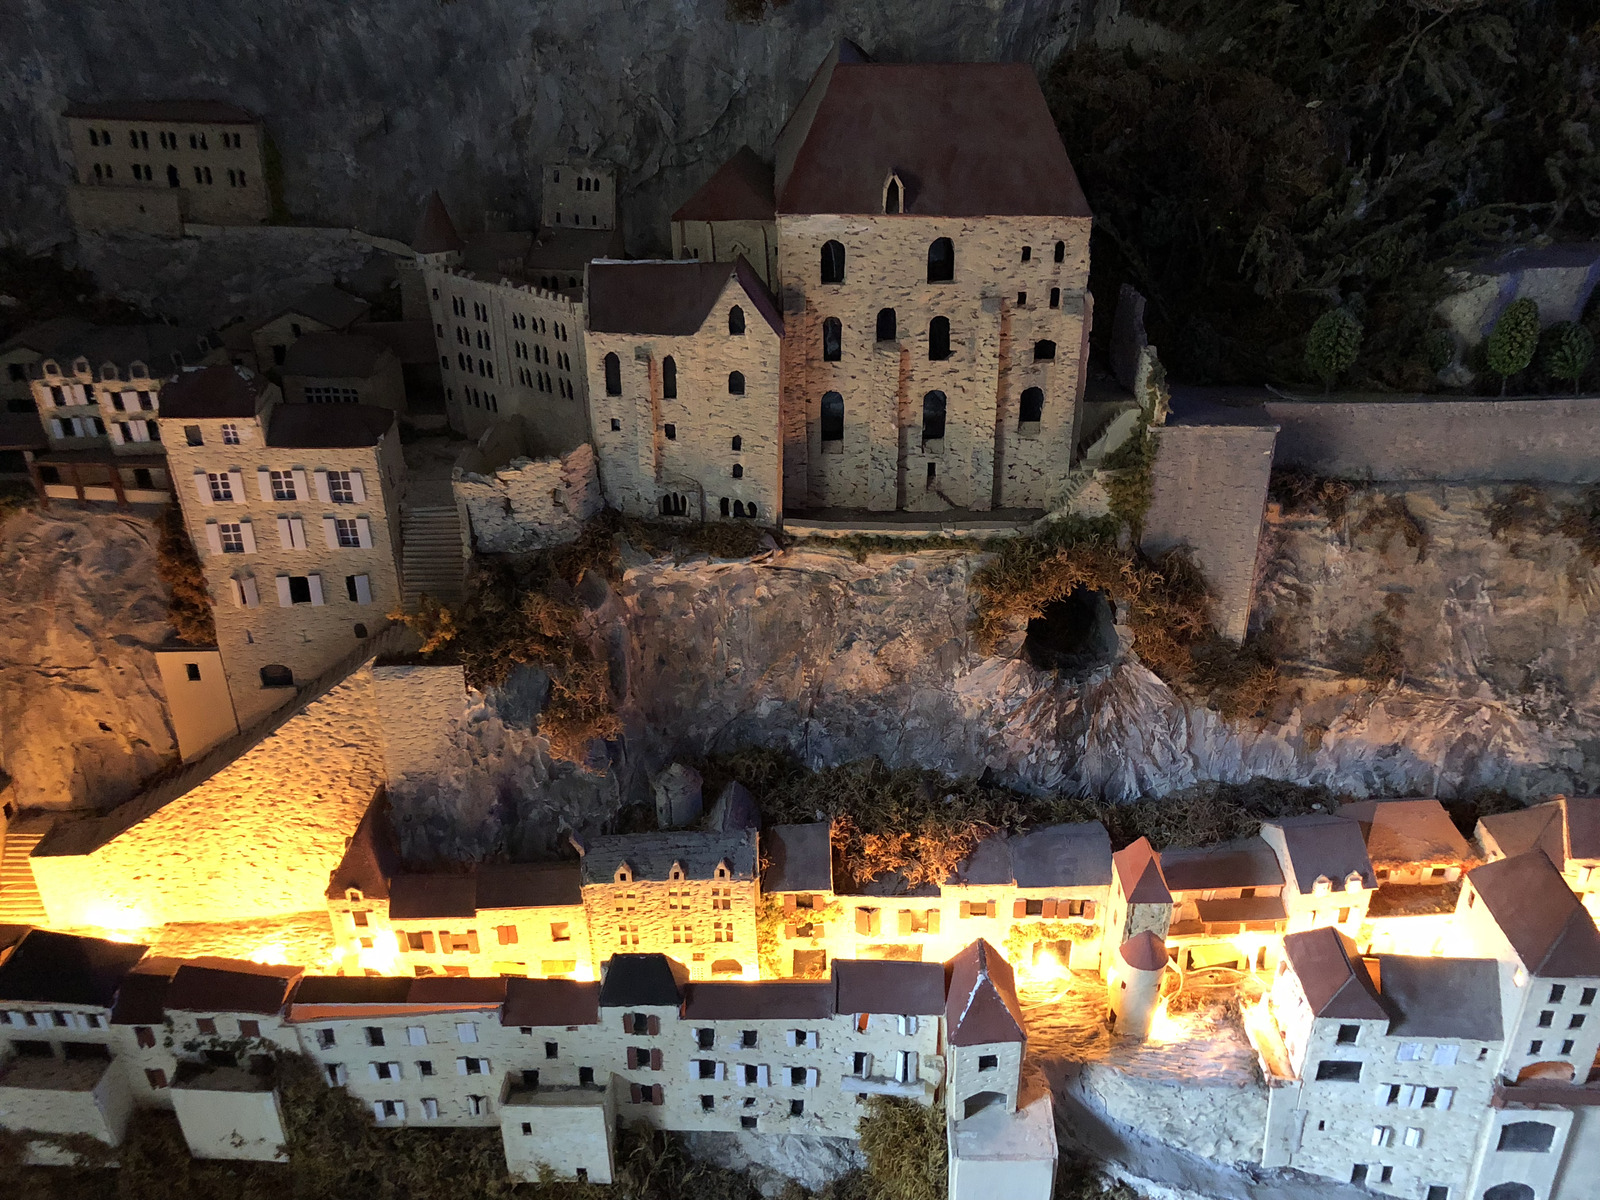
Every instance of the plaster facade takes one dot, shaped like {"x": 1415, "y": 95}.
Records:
{"x": 210, "y": 155}
{"x": 230, "y": 1114}
{"x": 198, "y": 699}
{"x": 527, "y": 503}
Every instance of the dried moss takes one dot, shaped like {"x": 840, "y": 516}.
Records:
{"x": 1523, "y": 510}
{"x": 188, "y": 600}
{"x": 1389, "y": 518}
{"x": 1384, "y": 661}
{"x": 1581, "y": 523}
{"x": 15, "y": 498}
{"x": 905, "y": 1147}
{"x": 1302, "y": 494}
{"x": 1130, "y": 484}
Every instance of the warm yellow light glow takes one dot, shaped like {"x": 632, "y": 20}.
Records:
{"x": 273, "y": 954}
{"x": 112, "y": 919}
{"x": 584, "y": 973}
{"x": 1164, "y": 1027}
{"x": 380, "y": 958}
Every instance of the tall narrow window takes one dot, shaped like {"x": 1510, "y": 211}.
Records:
{"x": 1032, "y": 410}
{"x": 736, "y": 321}
{"x": 832, "y": 262}
{"x": 893, "y": 196}
{"x": 669, "y": 378}
{"x": 886, "y": 325}
{"x": 941, "y": 260}
{"x": 1055, "y": 297}
{"x": 933, "y": 417}
{"x": 1044, "y": 351}
{"x": 613, "y": 375}
{"x": 735, "y": 383}
{"x": 939, "y": 339}
{"x": 832, "y": 340}
{"x": 833, "y": 417}
{"x": 1061, "y": 251}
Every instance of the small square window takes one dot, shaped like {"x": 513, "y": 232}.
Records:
{"x": 1558, "y": 993}
{"x": 586, "y": 1075}
{"x": 748, "y": 1039}
{"x": 708, "y": 1103}
{"x": 527, "y": 1129}
{"x": 671, "y": 432}
{"x": 797, "y": 1108}
{"x": 192, "y": 672}
{"x": 1546, "y": 1018}
{"x": 1348, "y": 1034}
{"x": 988, "y": 1062}
{"x": 230, "y": 434}
{"x": 747, "y": 1122}
{"x": 616, "y": 425}
{"x": 1575, "y": 1021}
{"x": 1566, "y": 1046}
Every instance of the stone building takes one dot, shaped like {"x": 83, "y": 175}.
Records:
{"x": 98, "y": 396}
{"x": 684, "y": 389}
{"x": 798, "y": 880}
{"x": 507, "y": 314}
{"x": 933, "y": 256}
{"x": 1328, "y": 878}
{"x": 152, "y": 166}
{"x": 580, "y": 195}
{"x": 343, "y": 368}
{"x": 323, "y": 309}
{"x": 1138, "y": 901}
{"x": 688, "y": 895}
{"x": 1566, "y": 828}
{"x": 23, "y": 351}
{"x": 1219, "y": 893}
{"x": 733, "y": 215}
{"x": 294, "y": 510}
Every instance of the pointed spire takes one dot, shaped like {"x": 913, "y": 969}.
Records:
{"x": 436, "y": 233}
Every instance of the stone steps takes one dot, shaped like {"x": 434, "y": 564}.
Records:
{"x": 431, "y": 561}
{"x": 19, "y": 895}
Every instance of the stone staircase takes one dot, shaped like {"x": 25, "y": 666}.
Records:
{"x": 432, "y": 562}
{"x": 19, "y": 896}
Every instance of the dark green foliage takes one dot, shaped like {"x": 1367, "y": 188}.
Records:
{"x": 1384, "y": 661}
{"x": 45, "y": 287}
{"x": 1510, "y": 345}
{"x": 1333, "y": 345}
{"x": 905, "y": 1147}
{"x": 1567, "y": 350}
{"x": 1131, "y": 486}
{"x": 1390, "y": 518}
{"x": 188, "y": 601}
{"x": 1289, "y": 154}
{"x": 1438, "y": 349}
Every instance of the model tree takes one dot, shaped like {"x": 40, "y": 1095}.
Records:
{"x": 1332, "y": 345}
{"x": 1568, "y": 349}
{"x": 1513, "y": 340}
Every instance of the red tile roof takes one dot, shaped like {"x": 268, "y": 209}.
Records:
{"x": 230, "y": 985}
{"x": 1139, "y": 870}
{"x": 212, "y": 393}
{"x": 739, "y": 190}
{"x": 1333, "y": 977}
{"x": 981, "y": 1007}
{"x": 436, "y": 232}
{"x": 1548, "y": 927}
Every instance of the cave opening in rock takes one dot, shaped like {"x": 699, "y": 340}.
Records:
{"x": 1076, "y": 633}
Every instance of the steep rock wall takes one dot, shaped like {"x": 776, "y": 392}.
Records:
{"x": 373, "y": 105}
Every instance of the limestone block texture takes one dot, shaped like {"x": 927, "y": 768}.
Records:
{"x": 529, "y": 504}
{"x": 259, "y": 836}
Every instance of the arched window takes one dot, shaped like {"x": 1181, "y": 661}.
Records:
{"x": 1044, "y": 351}
{"x": 1061, "y": 251}
{"x": 750, "y": 509}
{"x": 939, "y": 339}
{"x": 933, "y": 417}
{"x": 669, "y": 378}
{"x": 724, "y": 506}
{"x": 941, "y": 260}
{"x": 361, "y": 630}
{"x": 735, "y": 383}
{"x": 832, "y": 262}
{"x": 1509, "y": 1191}
{"x": 886, "y": 325}
{"x": 736, "y": 321}
{"x": 738, "y": 443}
{"x": 1032, "y": 410}
{"x": 832, "y": 340}
{"x": 738, "y": 508}
{"x": 613, "y": 375}
{"x": 833, "y": 417}
{"x": 738, "y": 471}
{"x": 893, "y": 195}
{"x": 1055, "y": 297}
{"x": 276, "y": 676}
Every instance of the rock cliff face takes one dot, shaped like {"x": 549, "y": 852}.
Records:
{"x": 374, "y": 105}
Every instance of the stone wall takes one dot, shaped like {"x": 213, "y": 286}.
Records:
{"x": 1210, "y": 487}
{"x": 258, "y": 837}
{"x": 987, "y": 458}
{"x": 528, "y": 504}
{"x": 1224, "y": 1122}
{"x": 1548, "y": 439}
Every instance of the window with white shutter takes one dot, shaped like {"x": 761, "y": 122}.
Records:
{"x": 466, "y": 1031}
{"x": 358, "y": 488}
{"x": 363, "y": 533}
{"x": 202, "y": 487}
{"x": 252, "y": 597}
{"x": 248, "y": 532}
{"x": 322, "y": 487}
{"x": 264, "y": 484}
{"x": 236, "y": 486}
{"x": 358, "y": 588}
{"x": 214, "y": 537}
{"x": 316, "y": 588}
{"x": 430, "y": 1108}
{"x": 58, "y": 429}
{"x": 283, "y": 591}
{"x": 341, "y": 488}
{"x": 417, "y": 1035}
{"x": 330, "y": 532}
{"x": 348, "y": 533}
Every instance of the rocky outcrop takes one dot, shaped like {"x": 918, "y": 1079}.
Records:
{"x": 373, "y": 106}
{"x": 82, "y": 710}
{"x": 772, "y": 1161}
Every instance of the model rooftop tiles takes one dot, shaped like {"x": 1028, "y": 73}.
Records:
{"x": 1076, "y": 855}
{"x": 1247, "y": 862}
{"x": 739, "y": 190}
{"x": 227, "y": 985}
{"x": 213, "y": 393}
{"x": 325, "y": 426}
{"x": 1334, "y": 980}
{"x": 177, "y": 112}
{"x": 899, "y": 988}
{"x": 436, "y": 232}
{"x": 1441, "y": 997}
{"x": 669, "y": 299}
{"x": 981, "y": 1005}
{"x": 799, "y": 858}
{"x": 652, "y": 856}
{"x": 1140, "y": 872}
{"x": 1550, "y": 930}
{"x": 965, "y": 139}
{"x": 1403, "y": 832}
{"x": 1320, "y": 845}
{"x": 335, "y": 355}
{"x": 62, "y": 968}
{"x": 327, "y": 305}
{"x": 642, "y": 979}
{"x": 550, "y": 1002}
{"x": 766, "y": 1001}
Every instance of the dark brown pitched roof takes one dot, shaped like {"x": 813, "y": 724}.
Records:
{"x": 1139, "y": 869}
{"x": 767, "y": 1001}
{"x": 335, "y": 355}
{"x": 1252, "y": 908}
{"x": 1077, "y": 855}
{"x": 1144, "y": 951}
{"x": 324, "y": 426}
{"x": 529, "y": 885}
{"x": 436, "y": 232}
{"x": 901, "y": 988}
{"x": 1325, "y": 845}
{"x": 364, "y": 990}
{"x": 178, "y": 112}
{"x": 371, "y": 859}
{"x": 1540, "y": 827}
{"x": 966, "y": 139}
{"x": 48, "y": 337}
{"x": 668, "y": 298}
{"x": 739, "y": 190}
{"x": 1442, "y": 997}
{"x": 799, "y": 858}
{"x": 1545, "y": 923}
{"x": 642, "y": 979}
{"x": 1403, "y": 832}
{"x": 550, "y": 1002}
{"x": 1247, "y": 862}
{"x": 409, "y": 341}
{"x": 1333, "y": 978}
{"x": 212, "y": 393}
{"x": 448, "y": 990}
{"x": 1583, "y": 825}
{"x": 66, "y": 969}
{"x": 981, "y": 1005}
{"x": 230, "y": 985}
{"x": 418, "y": 897}
{"x": 652, "y": 855}
{"x": 327, "y": 305}
{"x": 141, "y": 1000}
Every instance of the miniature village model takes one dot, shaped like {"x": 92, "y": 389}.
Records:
{"x": 877, "y": 326}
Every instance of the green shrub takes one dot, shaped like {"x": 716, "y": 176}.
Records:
{"x": 1510, "y": 345}
{"x": 1333, "y": 345}
{"x": 1568, "y": 348}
